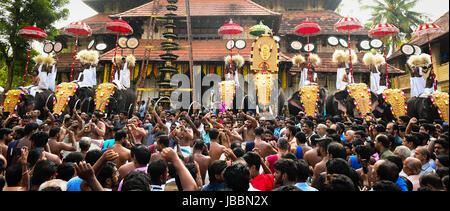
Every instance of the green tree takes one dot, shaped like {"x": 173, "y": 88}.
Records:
{"x": 397, "y": 12}
{"x": 16, "y": 14}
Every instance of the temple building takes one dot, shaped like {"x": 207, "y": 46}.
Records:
{"x": 440, "y": 54}
{"x": 209, "y": 47}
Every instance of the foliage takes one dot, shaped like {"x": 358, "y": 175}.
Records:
{"x": 16, "y": 14}
{"x": 397, "y": 12}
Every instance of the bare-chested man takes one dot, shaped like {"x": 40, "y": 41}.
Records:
{"x": 96, "y": 129}
{"x": 248, "y": 129}
{"x": 202, "y": 160}
{"x": 138, "y": 132}
{"x": 215, "y": 149}
{"x": 162, "y": 141}
{"x": 56, "y": 146}
{"x": 118, "y": 147}
{"x": 141, "y": 157}
{"x": 265, "y": 149}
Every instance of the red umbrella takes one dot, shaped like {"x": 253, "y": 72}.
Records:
{"x": 31, "y": 32}
{"x": 427, "y": 29}
{"x": 231, "y": 28}
{"x": 348, "y": 24}
{"x": 308, "y": 28}
{"x": 119, "y": 27}
{"x": 380, "y": 31}
{"x": 77, "y": 28}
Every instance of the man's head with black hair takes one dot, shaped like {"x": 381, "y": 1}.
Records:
{"x": 441, "y": 147}
{"x": 108, "y": 175}
{"x": 65, "y": 171}
{"x": 303, "y": 170}
{"x": 120, "y": 136}
{"x": 442, "y": 161}
{"x": 339, "y": 183}
{"x": 136, "y": 181}
{"x": 322, "y": 146}
{"x": 215, "y": 170}
{"x": 285, "y": 172}
{"x": 386, "y": 170}
{"x": 162, "y": 142}
{"x": 411, "y": 141}
{"x": 213, "y": 134}
{"x": 30, "y": 128}
{"x": 300, "y": 137}
{"x": 44, "y": 170}
{"x": 39, "y": 139}
{"x": 386, "y": 185}
{"x": 34, "y": 156}
{"x": 13, "y": 175}
{"x": 141, "y": 154}
{"x": 259, "y": 131}
{"x": 92, "y": 156}
{"x": 336, "y": 150}
{"x": 237, "y": 177}
{"x": 396, "y": 160}
{"x": 158, "y": 172}
{"x": 6, "y": 134}
{"x": 253, "y": 161}
{"x": 338, "y": 166}
{"x": 382, "y": 142}
{"x": 73, "y": 157}
{"x": 432, "y": 181}
{"x": 363, "y": 152}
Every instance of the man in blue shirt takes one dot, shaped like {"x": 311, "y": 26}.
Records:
{"x": 303, "y": 173}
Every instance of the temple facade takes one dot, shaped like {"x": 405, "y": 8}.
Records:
{"x": 209, "y": 47}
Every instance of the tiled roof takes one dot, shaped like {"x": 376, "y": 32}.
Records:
{"x": 423, "y": 40}
{"x": 324, "y": 18}
{"x": 203, "y": 51}
{"x": 202, "y": 8}
{"x": 328, "y": 66}
{"x": 97, "y": 24}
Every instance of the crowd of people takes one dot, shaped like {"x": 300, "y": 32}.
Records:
{"x": 162, "y": 150}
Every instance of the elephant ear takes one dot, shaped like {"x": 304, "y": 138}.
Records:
{"x": 341, "y": 95}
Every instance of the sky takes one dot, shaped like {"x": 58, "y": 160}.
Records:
{"x": 433, "y": 8}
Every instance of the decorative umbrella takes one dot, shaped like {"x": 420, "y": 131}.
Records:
{"x": 78, "y": 29}
{"x": 31, "y": 33}
{"x": 348, "y": 24}
{"x": 308, "y": 28}
{"x": 120, "y": 27}
{"x": 231, "y": 28}
{"x": 427, "y": 29}
{"x": 381, "y": 31}
{"x": 260, "y": 29}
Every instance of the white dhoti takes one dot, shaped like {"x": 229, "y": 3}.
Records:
{"x": 125, "y": 76}
{"x": 304, "y": 81}
{"x": 51, "y": 79}
{"x": 89, "y": 79}
{"x": 340, "y": 83}
{"x": 417, "y": 86}
{"x": 375, "y": 81}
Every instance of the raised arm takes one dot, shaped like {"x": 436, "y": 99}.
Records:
{"x": 187, "y": 181}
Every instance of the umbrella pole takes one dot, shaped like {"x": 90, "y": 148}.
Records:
{"x": 350, "y": 52}
{"x": 231, "y": 52}
{"x": 73, "y": 59}
{"x": 309, "y": 62}
{"x": 432, "y": 66}
{"x": 385, "y": 63}
{"x": 114, "y": 59}
{"x": 26, "y": 66}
